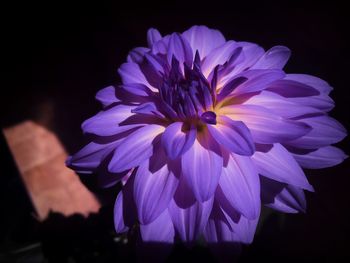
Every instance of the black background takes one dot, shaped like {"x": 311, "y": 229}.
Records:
{"x": 57, "y": 55}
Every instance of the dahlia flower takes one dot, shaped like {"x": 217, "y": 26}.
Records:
{"x": 202, "y": 131}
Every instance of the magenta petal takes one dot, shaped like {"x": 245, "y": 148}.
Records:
{"x": 274, "y": 58}
{"x": 282, "y": 197}
{"x": 201, "y": 166}
{"x": 153, "y": 36}
{"x": 325, "y": 131}
{"x": 107, "y": 123}
{"x": 175, "y": 141}
{"x": 107, "y": 96}
{"x": 190, "y": 222}
{"x": 135, "y": 148}
{"x": 160, "y": 230}
{"x": 233, "y": 135}
{"x": 240, "y": 184}
{"x": 153, "y": 190}
{"x": 203, "y": 39}
{"x": 264, "y": 123}
{"x": 278, "y": 164}
{"x": 323, "y": 157}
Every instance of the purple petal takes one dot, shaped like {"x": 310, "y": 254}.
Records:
{"x": 137, "y": 89}
{"x": 203, "y": 39}
{"x": 90, "y": 157}
{"x": 280, "y": 105}
{"x": 321, "y": 158}
{"x": 292, "y": 89}
{"x": 325, "y": 131}
{"x": 257, "y": 80}
{"x": 218, "y": 56}
{"x": 315, "y": 82}
{"x": 160, "y": 230}
{"x": 107, "y": 123}
{"x": 131, "y": 73}
{"x": 136, "y": 55}
{"x": 124, "y": 208}
{"x": 153, "y": 70}
{"x": 264, "y": 125}
{"x": 274, "y": 58}
{"x": 244, "y": 228}
{"x": 180, "y": 49}
{"x": 201, "y": 166}
{"x": 135, "y": 148}
{"x": 321, "y": 102}
{"x": 148, "y": 108}
{"x": 107, "y": 96}
{"x": 153, "y": 190}
{"x": 278, "y": 164}
{"x": 153, "y": 36}
{"x": 282, "y": 197}
{"x": 240, "y": 184}
{"x": 190, "y": 222}
{"x": 176, "y": 141}
{"x": 233, "y": 135}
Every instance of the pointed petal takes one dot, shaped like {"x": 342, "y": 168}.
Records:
{"x": 315, "y": 82}
{"x": 153, "y": 190}
{"x": 161, "y": 230}
{"x": 264, "y": 125}
{"x": 203, "y": 39}
{"x": 130, "y": 72}
{"x": 282, "y": 197}
{"x": 233, "y": 135}
{"x": 137, "y": 89}
{"x": 124, "y": 208}
{"x": 153, "y": 36}
{"x": 136, "y": 55}
{"x": 175, "y": 141}
{"x": 321, "y": 102}
{"x": 201, "y": 166}
{"x": 240, "y": 184}
{"x": 278, "y": 164}
{"x": 274, "y": 58}
{"x": 325, "y": 131}
{"x": 190, "y": 222}
{"x": 292, "y": 89}
{"x": 148, "y": 108}
{"x": 107, "y": 123}
{"x": 135, "y": 148}
{"x": 323, "y": 157}
{"x": 180, "y": 49}
{"x": 107, "y": 96}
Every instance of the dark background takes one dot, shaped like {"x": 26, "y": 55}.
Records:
{"x": 56, "y": 56}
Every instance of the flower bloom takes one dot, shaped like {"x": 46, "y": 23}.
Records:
{"x": 202, "y": 131}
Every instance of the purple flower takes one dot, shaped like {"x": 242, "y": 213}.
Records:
{"x": 202, "y": 131}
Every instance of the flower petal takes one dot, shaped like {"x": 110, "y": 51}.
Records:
{"x": 203, "y": 39}
{"x": 282, "y": 197}
{"x": 175, "y": 141}
{"x": 274, "y": 58}
{"x": 278, "y": 164}
{"x": 315, "y": 82}
{"x": 161, "y": 230}
{"x": 189, "y": 218}
{"x": 108, "y": 122}
{"x": 323, "y": 157}
{"x": 153, "y": 36}
{"x": 135, "y": 148}
{"x": 124, "y": 208}
{"x": 107, "y": 96}
{"x": 321, "y": 102}
{"x": 233, "y": 135}
{"x": 153, "y": 190}
{"x": 136, "y": 55}
{"x": 201, "y": 166}
{"x": 239, "y": 182}
{"x": 292, "y": 89}
{"x": 264, "y": 125}
{"x": 180, "y": 49}
{"x": 325, "y": 131}
{"x": 130, "y": 72}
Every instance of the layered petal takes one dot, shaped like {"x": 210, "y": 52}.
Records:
{"x": 135, "y": 148}
{"x": 278, "y": 164}
{"x": 201, "y": 166}
{"x": 274, "y": 58}
{"x": 315, "y": 82}
{"x": 323, "y": 157}
{"x": 239, "y": 183}
{"x": 130, "y": 72}
{"x": 107, "y": 96}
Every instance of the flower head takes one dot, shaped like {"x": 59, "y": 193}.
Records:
{"x": 202, "y": 131}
